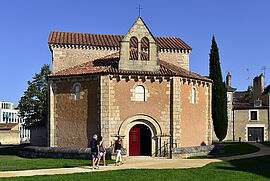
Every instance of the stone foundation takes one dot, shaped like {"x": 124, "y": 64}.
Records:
{"x": 197, "y": 151}
{"x": 54, "y": 152}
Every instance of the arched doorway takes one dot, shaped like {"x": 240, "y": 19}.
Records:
{"x": 140, "y": 140}
{"x": 140, "y": 119}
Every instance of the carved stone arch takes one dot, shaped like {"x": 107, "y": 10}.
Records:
{"x": 140, "y": 119}
{"x": 128, "y": 123}
{"x": 145, "y": 49}
{"x": 133, "y": 48}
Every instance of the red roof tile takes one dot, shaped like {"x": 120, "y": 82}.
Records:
{"x": 109, "y": 65}
{"x": 101, "y": 40}
{"x": 7, "y": 126}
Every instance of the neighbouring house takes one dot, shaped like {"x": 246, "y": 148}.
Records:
{"x": 135, "y": 86}
{"x": 10, "y": 114}
{"x": 9, "y": 134}
{"x": 248, "y": 112}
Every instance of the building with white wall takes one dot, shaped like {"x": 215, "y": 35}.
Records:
{"x": 9, "y": 114}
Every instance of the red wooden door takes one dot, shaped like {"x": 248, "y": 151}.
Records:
{"x": 135, "y": 141}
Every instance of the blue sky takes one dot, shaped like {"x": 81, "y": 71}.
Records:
{"x": 241, "y": 28}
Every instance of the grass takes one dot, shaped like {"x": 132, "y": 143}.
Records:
{"x": 244, "y": 169}
{"x": 10, "y": 162}
{"x": 231, "y": 149}
{"x": 266, "y": 143}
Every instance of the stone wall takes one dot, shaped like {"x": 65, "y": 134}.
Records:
{"x": 186, "y": 152}
{"x": 196, "y": 122}
{"x": 75, "y": 120}
{"x": 66, "y": 58}
{"x": 9, "y": 137}
{"x": 178, "y": 59}
{"x": 52, "y": 152}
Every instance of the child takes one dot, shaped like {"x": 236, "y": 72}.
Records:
{"x": 102, "y": 151}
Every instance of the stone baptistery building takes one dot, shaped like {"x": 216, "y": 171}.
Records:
{"x": 136, "y": 86}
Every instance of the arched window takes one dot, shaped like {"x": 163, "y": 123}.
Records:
{"x": 133, "y": 48}
{"x": 193, "y": 100}
{"x": 140, "y": 93}
{"x": 144, "y": 49}
{"x": 77, "y": 91}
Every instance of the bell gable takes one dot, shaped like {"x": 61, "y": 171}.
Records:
{"x": 139, "y": 49}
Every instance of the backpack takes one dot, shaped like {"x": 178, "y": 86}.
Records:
{"x": 93, "y": 145}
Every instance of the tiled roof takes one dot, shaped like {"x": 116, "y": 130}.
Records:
{"x": 7, "y": 126}
{"x": 240, "y": 96}
{"x": 266, "y": 90}
{"x": 109, "y": 65}
{"x": 101, "y": 40}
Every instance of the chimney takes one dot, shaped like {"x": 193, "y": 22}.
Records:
{"x": 229, "y": 79}
{"x": 258, "y": 87}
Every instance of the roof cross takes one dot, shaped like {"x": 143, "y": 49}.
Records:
{"x": 139, "y": 8}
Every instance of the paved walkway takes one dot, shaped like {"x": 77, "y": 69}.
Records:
{"x": 140, "y": 163}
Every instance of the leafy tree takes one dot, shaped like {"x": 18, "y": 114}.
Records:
{"x": 249, "y": 94}
{"x": 219, "y": 94}
{"x": 33, "y": 104}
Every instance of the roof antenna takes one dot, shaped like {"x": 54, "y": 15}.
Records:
{"x": 139, "y": 8}
{"x": 264, "y": 68}
{"x": 249, "y": 77}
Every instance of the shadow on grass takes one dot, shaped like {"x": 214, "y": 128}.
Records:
{"x": 257, "y": 165}
{"x": 10, "y": 150}
{"x": 266, "y": 143}
{"x": 231, "y": 149}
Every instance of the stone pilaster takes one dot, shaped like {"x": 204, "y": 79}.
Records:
{"x": 105, "y": 109}
{"x": 52, "y": 142}
{"x": 176, "y": 111}
{"x": 209, "y": 122}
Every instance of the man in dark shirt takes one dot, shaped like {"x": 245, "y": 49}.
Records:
{"x": 94, "y": 144}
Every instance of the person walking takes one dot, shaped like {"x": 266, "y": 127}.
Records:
{"x": 118, "y": 147}
{"x": 94, "y": 144}
{"x": 102, "y": 151}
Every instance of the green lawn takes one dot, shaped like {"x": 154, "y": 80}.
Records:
{"x": 9, "y": 161}
{"x": 244, "y": 169}
{"x": 231, "y": 149}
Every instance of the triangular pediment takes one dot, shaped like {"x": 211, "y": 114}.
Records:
{"x": 139, "y": 30}
{"x": 139, "y": 49}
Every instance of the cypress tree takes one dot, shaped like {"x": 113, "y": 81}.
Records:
{"x": 219, "y": 94}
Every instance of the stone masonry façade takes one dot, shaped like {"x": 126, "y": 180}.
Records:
{"x": 244, "y": 122}
{"x": 106, "y": 103}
